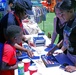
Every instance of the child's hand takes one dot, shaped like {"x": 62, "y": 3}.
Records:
{"x": 19, "y": 53}
{"x": 30, "y": 53}
{"x": 31, "y": 44}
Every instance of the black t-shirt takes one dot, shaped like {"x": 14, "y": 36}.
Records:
{"x": 59, "y": 30}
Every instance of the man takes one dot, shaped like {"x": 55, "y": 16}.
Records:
{"x": 8, "y": 7}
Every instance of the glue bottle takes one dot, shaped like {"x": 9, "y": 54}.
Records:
{"x": 21, "y": 69}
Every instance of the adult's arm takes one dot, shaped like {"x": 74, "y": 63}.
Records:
{"x": 54, "y": 35}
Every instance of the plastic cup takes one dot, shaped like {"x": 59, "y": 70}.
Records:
{"x": 26, "y": 64}
{"x": 35, "y": 73}
{"x": 32, "y": 69}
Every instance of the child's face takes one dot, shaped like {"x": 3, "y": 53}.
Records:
{"x": 19, "y": 38}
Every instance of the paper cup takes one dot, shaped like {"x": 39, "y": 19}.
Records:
{"x": 26, "y": 64}
{"x": 32, "y": 69}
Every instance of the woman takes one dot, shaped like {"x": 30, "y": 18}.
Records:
{"x": 58, "y": 26}
{"x": 69, "y": 43}
{"x": 69, "y": 32}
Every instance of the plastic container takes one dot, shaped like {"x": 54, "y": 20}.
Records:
{"x": 21, "y": 69}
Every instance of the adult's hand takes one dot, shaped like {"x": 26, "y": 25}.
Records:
{"x": 70, "y": 68}
{"x": 52, "y": 50}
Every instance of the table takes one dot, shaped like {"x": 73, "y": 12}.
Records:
{"x": 42, "y": 69}
{"x": 30, "y": 26}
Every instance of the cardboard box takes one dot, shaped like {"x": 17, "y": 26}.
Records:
{"x": 39, "y": 41}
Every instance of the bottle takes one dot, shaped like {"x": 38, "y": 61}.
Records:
{"x": 49, "y": 35}
{"x": 21, "y": 69}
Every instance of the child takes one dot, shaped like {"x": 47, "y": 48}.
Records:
{"x": 14, "y": 35}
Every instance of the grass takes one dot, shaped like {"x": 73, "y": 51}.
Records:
{"x": 47, "y": 26}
